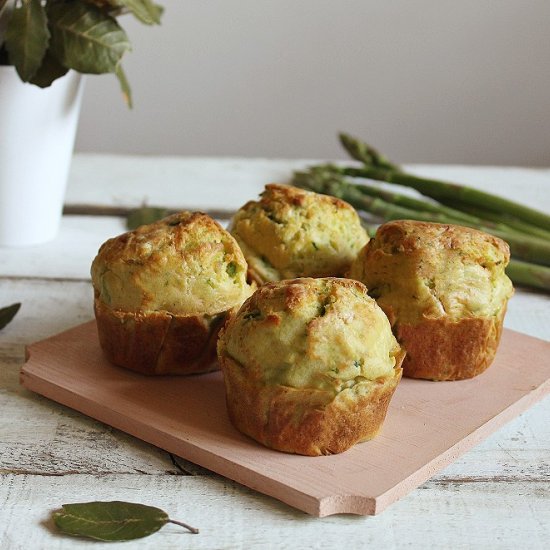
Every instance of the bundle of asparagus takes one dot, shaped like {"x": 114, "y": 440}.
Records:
{"x": 526, "y": 230}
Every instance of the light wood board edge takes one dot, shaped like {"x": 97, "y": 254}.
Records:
{"x": 185, "y": 449}
{"x": 334, "y": 504}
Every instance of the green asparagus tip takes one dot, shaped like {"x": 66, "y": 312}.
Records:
{"x": 363, "y": 152}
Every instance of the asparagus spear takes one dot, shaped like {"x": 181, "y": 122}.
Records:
{"x": 317, "y": 176}
{"x": 510, "y": 221}
{"x": 524, "y": 273}
{"x": 378, "y": 168}
{"x": 331, "y": 183}
{"x": 361, "y": 151}
{"x": 415, "y": 204}
{"x": 325, "y": 173}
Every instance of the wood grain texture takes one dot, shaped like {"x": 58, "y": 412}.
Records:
{"x": 495, "y": 496}
{"x": 229, "y": 516}
{"x": 204, "y": 182}
{"x": 518, "y": 452}
{"x": 428, "y": 424}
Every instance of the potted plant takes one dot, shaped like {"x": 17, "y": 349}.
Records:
{"x": 40, "y": 42}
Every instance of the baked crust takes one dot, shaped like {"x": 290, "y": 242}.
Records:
{"x": 185, "y": 264}
{"x": 291, "y": 232}
{"x": 157, "y": 343}
{"x": 295, "y": 420}
{"x": 444, "y": 290}
{"x": 310, "y": 365}
{"x": 439, "y": 349}
{"x": 161, "y": 293}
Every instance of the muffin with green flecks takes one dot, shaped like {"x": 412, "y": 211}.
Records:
{"x": 163, "y": 291}
{"x": 291, "y": 233}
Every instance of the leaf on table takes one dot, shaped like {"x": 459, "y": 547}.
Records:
{"x": 27, "y": 37}
{"x": 110, "y": 521}
{"x": 145, "y": 215}
{"x": 7, "y": 314}
{"x": 85, "y": 38}
{"x": 113, "y": 521}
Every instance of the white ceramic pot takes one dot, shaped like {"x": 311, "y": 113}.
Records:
{"x": 37, "y": 132}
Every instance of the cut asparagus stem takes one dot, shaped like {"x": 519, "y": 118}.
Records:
{"x": 318, "y": 176}
{"x": 333, "y": 174}
{"x": 416, "y": 204}
{"x": 440, "y": 190}
{"x": 379, "y": 168}
{"x": 508, "y": 220}
{"x": 527, "y": 274}
{"x": 332, "y": 184}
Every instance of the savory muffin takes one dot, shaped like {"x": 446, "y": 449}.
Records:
{"x": 444, "y": 290}
{"x": 162, "y": 293}
{"x": 292, "y": 233}
{"x": 310, "y": 365}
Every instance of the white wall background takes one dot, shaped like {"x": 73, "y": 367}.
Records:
{"x": 442, "y": 81}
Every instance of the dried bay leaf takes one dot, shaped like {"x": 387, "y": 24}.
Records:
{"x": 7, "y": 314}
{"x": 112, "y": 521}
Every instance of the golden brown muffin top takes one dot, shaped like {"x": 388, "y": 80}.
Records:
{"x": 321, "y": 334}
{"x": 185, "y": 264}
{"x": 292, "y": 233}
{"x": 421, "y": 270}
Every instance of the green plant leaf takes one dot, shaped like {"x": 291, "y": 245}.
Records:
{"x": 145, "y": 10}
{"x": 3, "y": 56}
{"x": 6, "y": 7}
{"x": 49, "y": 70}
{"x": 124, "y": 85}
{"x": 7, "y": 314}
{"x": 145, "y": 215}
{"x": 85, "y": 38}
{"x": 110, "y": 521}
{"x": 27, "y": 37}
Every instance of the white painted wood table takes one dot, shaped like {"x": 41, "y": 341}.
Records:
{"x": 495, "y": 496}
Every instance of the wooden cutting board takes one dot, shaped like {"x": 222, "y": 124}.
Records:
{"x": 429, "y": 424}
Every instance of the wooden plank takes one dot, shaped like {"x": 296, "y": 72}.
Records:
{"x": 518, "y": 451}
{"x": 428, "y": 424}
{"x": 69, "y": 256}
{"x": 222, "y": 183}
{"x": 491, "y": 515}
{"x": 40, "y": 436}
{"x": 175, "y": 182}
{"x": 47, "y": 308}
